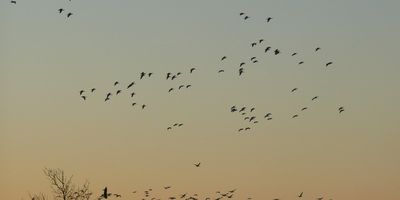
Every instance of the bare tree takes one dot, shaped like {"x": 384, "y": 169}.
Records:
{"x": 63, "y": 188}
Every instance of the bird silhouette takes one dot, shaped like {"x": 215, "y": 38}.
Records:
{"x": 294, "y": 116}
{"x": 130, "y": 85}
{"x": 267, "y": 49}
{"x": 197, "y": 165}
{"x": 118, "y": 91}
{"x": 242, "y": 13}
{"x": 83, "y": 97}
{"x": 276, "y": 52}
{"x": 303, "y": 109}
{"x": 69, "y": 14}
{"x": 267, "y": 115}
{"x": 221, "y": 70}
{"x": 252, "y": 109}
{"x": 60, "y": 10}
{"x": 269, "y": 19}
{"x": 181, "y": 86}
{"x": 223, "y": 58}
{"x": 253, "y": 44}
{"x": 168, "y": 75}
{"x": 300, "y": 195}
{"x": 170, "y": 89}
{"x": 246, "y": 17}
{"x": 116, "y": 83}
{"x": 167, "y": 187}
{"x": 133, "y": 104}
{"x": 81, "y": 92}
{"x": 242, "y": 109}
{"x": 317, "y": 49}
{"x": 241, "y": 71}
{"x": 14, "y": 2}
{"x": 93, "y": 89}
{"x": 188, "y": 86}
{"x": 252, "y": 58}
{"x": 314, "y": 98}
{"x": 260, "y": 41}
{"x": 329, "y": 63}
{"x": 169, "y": 128}
{"x": 241, "y": 129}
{"x": 143, "y": 106}
{"x": 301, "y": 62}
{"x": 142, "y": 74}
{"x": 293, "y": 54}
{"x": 247, "y": 128}
{"x": 255, "y": 61}
{"x": 192, "y": 70}
{"x": 294, "y": 89}
{"x": 149, "y": 74}
{"x": 241, "y": 64}
{"x": 179, "y": 125}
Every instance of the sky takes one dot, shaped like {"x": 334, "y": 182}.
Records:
{"x": 47, "y": 58}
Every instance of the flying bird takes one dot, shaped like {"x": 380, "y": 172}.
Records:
{"x": 143, "y": 106}
{"x": 118, "y": 91}
{"x": 133, "y": 104}
{"x": 293, "y": 54}
{"x": 241, "y": 71}
{"x": 14, "y": 2}
{"x": 69, "y": 14}
{"x": 246, "y": 17}
{"x": 83, "y": 97}
{"x": 132, "y": 94}
{"x": 81, "y": 92}
{"x": 276, "y": 52}
{"x": 116, "y": 83}
{"x": 317, "y": 49}
{"x": 181, "y": 86}
{"x": 294, "y": 116}
{"x": 252, "y": 58}
{"x": 168, "y": 75}
{"x": 252, "y": 109}
{"x": 150, "y": 74}
{"x": 301, "y": 62}
{"x": 170, "y": 89}
{"x": 242, "y": 13}
{"x": 260, "y": 41}
{"x": 314, "y": 98}
{"x": 303, "y": 109}
{"x": 253, "y": 44}
{"x": 197, "y": 165}
{"x": 241, "y": 64}
{"x": 267, "y": 49}
{"x": 294, "y": 89}
{"x": 188, "y": 86}
{"x": 255, "y": 61}
{"x": 269, "y": 19}
{"x": 93, "y": 89}
{"x": 267, "y": 115}
{"x": 221, "y": 70}
{"x": 60, "y": 10}
{"x": 192, "y": 69}
{"x": 242, "y": 109}
{"x": 142, "y": 75}
{"x": 300, "y": 195}
{"x": 223, "y": 58}
{"x": 329, "y": 63}
{"x": 130, "y": 85}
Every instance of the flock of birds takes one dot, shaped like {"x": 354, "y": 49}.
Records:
{"x": 244, "y": 111}
{"x": 148, "y": 195}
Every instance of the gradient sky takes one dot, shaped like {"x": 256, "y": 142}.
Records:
{"x": 45, "y": 59}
